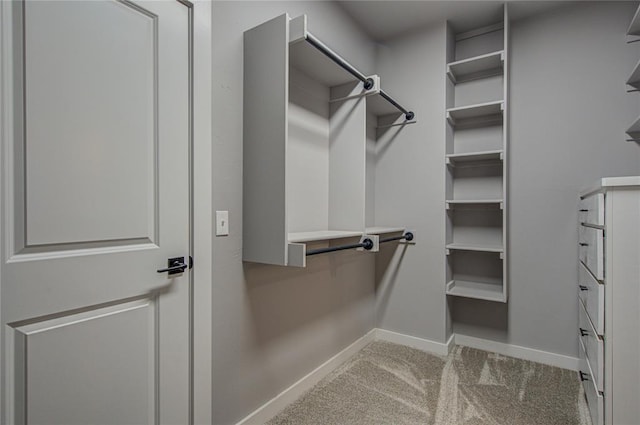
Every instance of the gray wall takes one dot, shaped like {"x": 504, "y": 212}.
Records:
{"x": 273, "y": 325}
{"x": 410, "y": 296}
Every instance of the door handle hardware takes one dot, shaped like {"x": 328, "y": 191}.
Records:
{"x": 583, "y": 244}
{"x": 584, "y": 332}
{"x": 583, "y": 210}
{"x": 584, "y": 376}
{"x": 583, "y": 288}
{"x": 175, "y": 265}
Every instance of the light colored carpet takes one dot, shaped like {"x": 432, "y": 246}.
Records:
{"x": 392, "y": 384}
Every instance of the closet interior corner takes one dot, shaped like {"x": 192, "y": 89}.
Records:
{"x": 309, "y": 120}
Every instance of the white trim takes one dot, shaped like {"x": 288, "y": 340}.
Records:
{"x": 415, "y": 342}
{"x": 524, "y": 353}
{"x": 291, "y": 394}
{"x": 202, "y": 210}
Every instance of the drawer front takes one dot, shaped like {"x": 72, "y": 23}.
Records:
{"x": 593, "y": 346}
{"x": 595, "y": 400}
{"x": 591, "y": 250}
{"x": 591, "y": 293}
{"x": 591, "y": 210}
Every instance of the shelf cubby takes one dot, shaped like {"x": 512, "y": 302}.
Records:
{"x": 476, "y": 274}
{"x": 473, "y": 68}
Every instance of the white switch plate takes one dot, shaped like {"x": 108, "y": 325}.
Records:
{"x": 222, "y": 223}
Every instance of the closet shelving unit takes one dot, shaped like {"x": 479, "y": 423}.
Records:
{"x": 304, "y": 122}
{"x": 633, "y": 82}
{"x": 476, "y": 162}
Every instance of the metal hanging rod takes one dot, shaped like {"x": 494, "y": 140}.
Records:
{"x": 407, "y": 236}
{"x": 366, "y": 244}
{"x": 409, "y": 115}
{"x": 368, "y": 82}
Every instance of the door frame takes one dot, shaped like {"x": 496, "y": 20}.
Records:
{"x": 200, "y": 195}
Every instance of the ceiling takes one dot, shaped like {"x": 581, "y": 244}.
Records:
{"x": 386, "y": 20}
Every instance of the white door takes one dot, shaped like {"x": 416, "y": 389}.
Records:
{"x": 95, "y": 142}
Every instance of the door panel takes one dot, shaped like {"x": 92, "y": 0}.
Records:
{"x": 95, "y": 199}
{"x": 90, "y": 104}
{"x": 94, "y": 353}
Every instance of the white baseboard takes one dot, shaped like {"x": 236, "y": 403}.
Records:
{"x": 291, "y": 394}
{"x": 415, "y": 342}
{"x": 524, "y": 353}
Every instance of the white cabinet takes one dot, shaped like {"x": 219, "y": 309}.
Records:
{"x": 476, "y": 159}
{"x": 609, "y": 299}
{"x": 305, "y": 144}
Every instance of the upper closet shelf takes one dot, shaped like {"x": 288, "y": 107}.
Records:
{"x": 477, "y": 67}
{"x": 379, "y": 230}
{"x": 304, "y": 55}
{"x": 476, "y": 115}
{"x": 322, "y": 235}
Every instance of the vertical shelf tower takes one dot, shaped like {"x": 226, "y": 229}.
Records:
{"x": 633, "y": 82}
{"x": 477, "y": 123}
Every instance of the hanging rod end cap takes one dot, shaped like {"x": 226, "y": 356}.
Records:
{"x": 408, "y": 236}
{"x": 369, "y": 83}
{"x": 409, "y": 115}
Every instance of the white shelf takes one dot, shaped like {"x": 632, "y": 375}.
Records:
{"x": 474, "y": 247}
{"x": 634, "y": 27}
{"x": 477, "y": 290}
{"x": 477, "y": 67}
{"x": 322, "y": 235}
{"x": 473, "y": 115}
{"x": 460, "y": 158}
{"x": 634, "y": 130}
{"x": 497, "y": 203}
{"x": 634, "y": 78}
{"x": 378, "y": 230}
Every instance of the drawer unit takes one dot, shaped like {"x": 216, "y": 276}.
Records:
{"x": 591, "y": 210}
{"x": 591, "y": 293}
{"x": 608, "y": 291}
{"x": 594, "y": 347}
{"x": 592, "y": 250}
{"x": 595, "y": 400}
